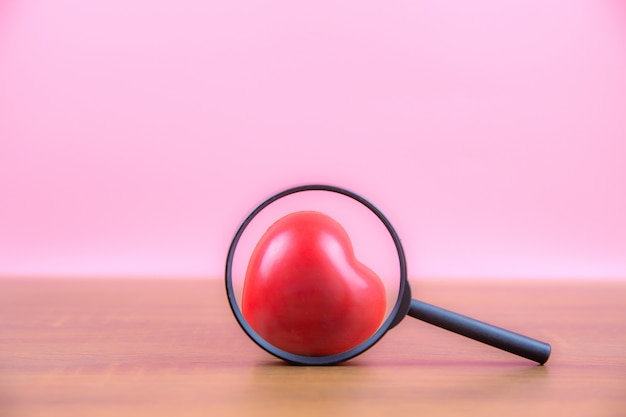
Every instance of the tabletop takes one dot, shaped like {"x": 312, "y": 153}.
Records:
{"x": 163, "y": 347}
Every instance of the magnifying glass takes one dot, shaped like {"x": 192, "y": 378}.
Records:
{"x": 316, "y": 275}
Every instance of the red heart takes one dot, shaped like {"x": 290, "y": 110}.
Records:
{"x": 306, "y": 293}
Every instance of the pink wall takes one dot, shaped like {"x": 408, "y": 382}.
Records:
{"x": 134, "y": 135}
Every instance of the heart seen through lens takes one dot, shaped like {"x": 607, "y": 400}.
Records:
{"x": 306, "y": 292}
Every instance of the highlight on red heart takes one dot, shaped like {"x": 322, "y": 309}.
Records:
{"x": 305, "y": 291}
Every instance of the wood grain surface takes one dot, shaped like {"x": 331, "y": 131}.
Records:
{"x": 172, "y": 348}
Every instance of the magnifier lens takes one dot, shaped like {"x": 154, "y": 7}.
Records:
{"x": 316, "y": 275}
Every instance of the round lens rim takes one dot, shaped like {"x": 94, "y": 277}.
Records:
{"x": 316, "y": 360}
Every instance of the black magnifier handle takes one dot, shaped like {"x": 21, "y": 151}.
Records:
{"x": 512, "y": 342}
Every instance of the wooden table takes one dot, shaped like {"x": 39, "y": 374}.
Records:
{"x": 172, "y": 348}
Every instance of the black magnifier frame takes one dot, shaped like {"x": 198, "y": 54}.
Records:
{"x": 500, "y": 338}
{"x": 399, "y": 309}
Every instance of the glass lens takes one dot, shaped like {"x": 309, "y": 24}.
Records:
{"x": 315, "y": 273}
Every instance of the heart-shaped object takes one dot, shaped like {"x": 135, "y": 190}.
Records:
{"x": 306, "y": 293}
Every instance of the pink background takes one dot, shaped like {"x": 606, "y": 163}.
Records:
{"x": 135, "y": 135}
